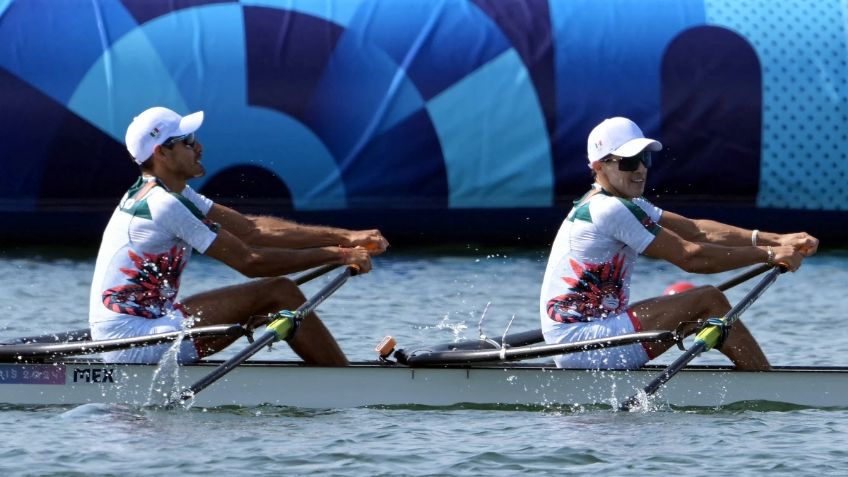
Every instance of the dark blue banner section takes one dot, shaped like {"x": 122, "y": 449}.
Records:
{"x": 381, "y": 108}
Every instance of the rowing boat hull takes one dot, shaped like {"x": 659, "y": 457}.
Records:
{"x": 373, "y": 384}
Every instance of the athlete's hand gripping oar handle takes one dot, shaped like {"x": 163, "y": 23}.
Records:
{"x": 281, "y": 328}
{"x": 706, "y": 339}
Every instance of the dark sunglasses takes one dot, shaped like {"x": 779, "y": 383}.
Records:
{"x": 188, "y": 140}
{"x": 630, "y": 164}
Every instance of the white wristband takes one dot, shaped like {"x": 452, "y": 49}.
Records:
{"x": 754, "y": 234}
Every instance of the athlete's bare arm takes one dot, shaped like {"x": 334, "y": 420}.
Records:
{"x": 276, "y": 232}
{"x": 710, "y": 231}
{"x": 698, "y": 257}
{"x": 257, "y": 261}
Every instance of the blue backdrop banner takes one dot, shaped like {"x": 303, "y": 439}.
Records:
{"x": 405, "y": 112}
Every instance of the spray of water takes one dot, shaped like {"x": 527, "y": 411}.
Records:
{"x": 165, "y": 384}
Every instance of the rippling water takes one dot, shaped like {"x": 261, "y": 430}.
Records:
{"x": 424, "y": 297}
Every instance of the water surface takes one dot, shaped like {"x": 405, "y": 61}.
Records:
{"x": 431, "y": 296}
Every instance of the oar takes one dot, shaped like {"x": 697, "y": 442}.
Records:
{"x": 45, "y": 350}
{"x": 465, "y": 357}
{"x": 315, "y": 273}
{"x": 706, "y": 339}
{"x": 284, "y": 325}
{"x": 743, "y": 277}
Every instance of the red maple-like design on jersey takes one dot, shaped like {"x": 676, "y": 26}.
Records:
{"x": 154, "y": 283}
{"x": 597, "y": 292}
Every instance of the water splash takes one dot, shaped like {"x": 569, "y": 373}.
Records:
{"x": 165, "y": 382}
{"x": 480, "y": 323}
{"x": 456, "y": 329}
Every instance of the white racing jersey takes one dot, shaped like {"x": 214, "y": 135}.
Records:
{"x": 588, "y": 273}
{"x": 145, "y": 247}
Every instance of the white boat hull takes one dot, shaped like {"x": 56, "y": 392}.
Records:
{"x": 370, "y": 384}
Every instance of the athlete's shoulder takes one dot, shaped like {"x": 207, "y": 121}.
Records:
{"x": 620, "y": 211}
{"x": 644, "y": 203}
{"x": 199, "y": 200}
{"x": 583, "y": 207}
{"x": 606, "y": 204}
{"x": 165, "y": 201}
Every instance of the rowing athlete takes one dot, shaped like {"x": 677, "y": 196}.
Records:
{"x": 158, "y": 223}
{"x": 586, "y": 290}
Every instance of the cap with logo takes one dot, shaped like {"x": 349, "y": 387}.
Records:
{"x": 618, "y": 136}
{"x": 154, "y": 126}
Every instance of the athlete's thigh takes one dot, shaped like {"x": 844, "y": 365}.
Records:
{"x": 668, "y": 311}
{"x": 237, "y": 303}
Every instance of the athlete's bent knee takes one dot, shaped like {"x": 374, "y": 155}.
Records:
{"x": 285, "y": 286}
{"x": 717, "y": 301}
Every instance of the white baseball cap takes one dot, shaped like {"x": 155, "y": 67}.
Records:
{"x": 154, "y": 126}
{"x": 619, "y": 136}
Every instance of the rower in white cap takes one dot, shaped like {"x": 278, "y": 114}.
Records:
{"x": 161, "y": 219}
{"x": 586, "y": 290}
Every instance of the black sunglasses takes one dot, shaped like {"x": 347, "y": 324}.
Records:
{"x": 188, "y": 140}
{"x": 630, "y": 164}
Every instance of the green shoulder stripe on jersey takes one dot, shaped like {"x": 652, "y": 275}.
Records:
{"x": 641, "y": 216}
{"x": 580, "y": 211}
{"x": 136, "y": 202}
{"x": 215, "y": 227}
{"x": 137, "y": 208}
{"x": 189, "y": 205}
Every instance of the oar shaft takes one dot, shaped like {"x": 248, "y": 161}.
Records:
{"x": 35, "y": 350}
{"x": 466, "y": 357}
{"x": 752, "y": 295}
{"x": 328, "y": 289}
{"x": 267, "y": 338}
{"x": 706, "y": 338}
{"x": 271, "y": 336}
{"x": 315, "y": 273}
{"x": 744, "y": 277}
{"x": 697, "y": 348}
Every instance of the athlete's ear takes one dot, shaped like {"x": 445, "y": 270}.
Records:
{"x": 157, "y": 156}
{"x": 158, "y": 150}
{"x": 596, "y": 166}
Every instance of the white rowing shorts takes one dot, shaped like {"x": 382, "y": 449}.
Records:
{"x": 131, "y": 327}
{"x": 631, "y": 356}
